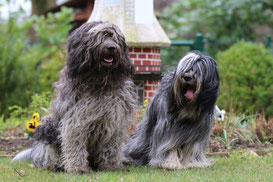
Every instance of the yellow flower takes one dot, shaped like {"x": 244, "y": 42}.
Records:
{"x": 36, "y": 117}
{"x": 34, "y": 123}
{"x": 146, "y": 102}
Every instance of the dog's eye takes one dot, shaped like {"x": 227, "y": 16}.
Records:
{"x": 108, "y": 34}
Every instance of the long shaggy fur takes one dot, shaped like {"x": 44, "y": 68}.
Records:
{"x": 94, "y": 101}
{"x": 176, "y": 128}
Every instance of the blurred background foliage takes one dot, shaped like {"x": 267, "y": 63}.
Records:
{"x": 222, "y": 22}
{"x": 245, "y": 68}
{"x": 31, "y": 56}
{"x": 31, "y": 50}
{"x": 246, "y": 78}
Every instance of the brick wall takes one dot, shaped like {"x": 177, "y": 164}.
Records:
{"x": 150, "y": 88}
{"x": 146, "y": 60}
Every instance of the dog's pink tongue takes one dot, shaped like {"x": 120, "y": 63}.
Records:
{"x": 189, "y": 94}
{"x": 110, "y": 60}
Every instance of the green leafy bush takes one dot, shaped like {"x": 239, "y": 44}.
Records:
{"x": 39, "y": 104}
{"x": 16, "y": 75}
{"x": 51, "y": 32}
{"x": 246, "y": 78}
{"x": 25, "y": 46}
{"x": 20, "y": 115}
{"x": 50, "y": 71}
{"x": 225, "y": 21}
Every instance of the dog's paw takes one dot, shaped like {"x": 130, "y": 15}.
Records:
{"x": 126, "y": 161}
{"x": 79, "y": 171}
{"x": 54, "y": 167}
{"x": 111, "y": 168}
{"x": 172, "y": 165}
{"x": 198, "y": 164}
{"x": 169, "y": 164}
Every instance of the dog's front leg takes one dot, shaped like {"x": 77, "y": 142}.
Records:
{"x": 167, "y": 160}
{"x": 74, "y": 150}
{"x": 110, "y": 156}
{"x": 194, "y": 155}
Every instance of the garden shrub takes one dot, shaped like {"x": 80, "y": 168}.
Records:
{"x": 224, "y": 22}
{"x": 264, "y": 129}
{"x": 39, "y": 103}
{"x": 25, "y": 58}
{"x": 50, "y": 71}
{"x": 246, "y": 78}
{"x": 16, "y": 75}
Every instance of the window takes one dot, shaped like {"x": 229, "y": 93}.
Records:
{"x": 139, "y": 88}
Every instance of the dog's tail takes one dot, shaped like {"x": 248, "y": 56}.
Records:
{"x": 23, "y": 156}
{"x": 39, "y": 154}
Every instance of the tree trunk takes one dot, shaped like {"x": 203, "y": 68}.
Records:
{"x": 41, "y": 6}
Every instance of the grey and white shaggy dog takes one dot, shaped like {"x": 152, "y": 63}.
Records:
{"x": 94, "y": 100}
{"x": 175, "y": 131}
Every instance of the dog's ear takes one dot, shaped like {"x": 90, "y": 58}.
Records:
{"x": 210, "y": 84}
{"x": 126, "y": 63}
{"x": 78, "y": 53}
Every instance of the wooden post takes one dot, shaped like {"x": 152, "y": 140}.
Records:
{"x": 199, "y": 44}
{"x": 268, "y": 43}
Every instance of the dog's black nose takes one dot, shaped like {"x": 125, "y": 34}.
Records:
{"x": 187, "y": 78}
{"x": 111, "y": 48}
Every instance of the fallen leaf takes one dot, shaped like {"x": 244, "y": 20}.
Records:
{"x": 22, "y": 172}
{"x": 253, "y": 153}
{"x": 53, "y": 176}
{"x": 30, "y": 165}
{"x": 127, "y": 170}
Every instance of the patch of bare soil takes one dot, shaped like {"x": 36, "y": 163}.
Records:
{"x": 216, "y": 146}
{"x": 12, "y": 141}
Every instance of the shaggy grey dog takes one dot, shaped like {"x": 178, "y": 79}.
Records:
{"x": 94, "y": 101}
{"x": 176, "y": 128}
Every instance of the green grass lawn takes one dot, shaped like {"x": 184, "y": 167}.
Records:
{"x": 236, "y": 167}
